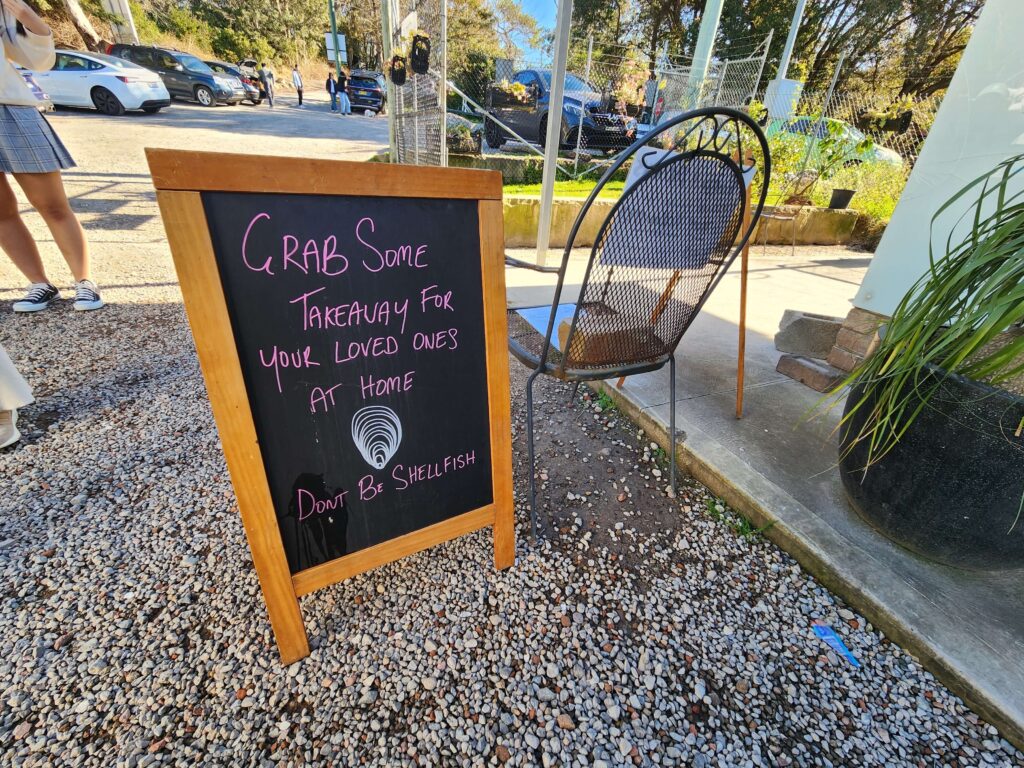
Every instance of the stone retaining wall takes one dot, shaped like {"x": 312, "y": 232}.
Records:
{"x": 814, "y": 226}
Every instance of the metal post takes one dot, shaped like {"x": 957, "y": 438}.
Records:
{"x": 547, "y": 190}
{"x": 814, "y": 131}
{"x": 385, "y": 42}
{"x": 442, "y": 91}
{"x": 702, "y": 51}
{"x": 764, "y": 57}
{"x": 334, "y": 38}
{"x": 721, "y": 82}
{"x": 579, "y": 132}
{"x": 794, "y": 27}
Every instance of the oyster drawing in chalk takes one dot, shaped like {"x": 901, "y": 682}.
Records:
{"x": 376, "y": 431}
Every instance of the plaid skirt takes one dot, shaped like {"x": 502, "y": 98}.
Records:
{"x": 28, "y": 143}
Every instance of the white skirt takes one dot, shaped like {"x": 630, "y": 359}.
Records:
{"x": 14, "y": 390}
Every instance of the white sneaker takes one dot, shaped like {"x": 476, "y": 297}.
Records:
{"x": 9, "y": 433}
{"x": 37, "y": 299}
{"x": 87, "y": 296}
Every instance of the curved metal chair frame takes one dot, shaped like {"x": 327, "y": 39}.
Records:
{"x": 664, "y": 247}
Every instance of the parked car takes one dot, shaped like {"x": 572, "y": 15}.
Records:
{"x": 45, "y": 104}
{"x": 367, "y": 90}
{"x": 856, "y": 147}
{"x": 250, "y": 84}
{"x": 106, "y": 83}
{"x": 185, "y": 75}
{"x": 523, "y": 106}
{"x": 251, "y": 69}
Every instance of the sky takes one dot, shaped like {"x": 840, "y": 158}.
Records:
{"x": 542, "y": 10}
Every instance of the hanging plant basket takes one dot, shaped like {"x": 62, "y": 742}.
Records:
{"x": 420, "y": 54}
{"x": 398, "y": 70}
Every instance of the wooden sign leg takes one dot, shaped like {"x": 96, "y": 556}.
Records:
{"x": 492, "y": 254}
{"x": 189, "y": 238}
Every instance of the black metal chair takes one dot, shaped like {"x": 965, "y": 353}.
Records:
{"x": 664, "y": 247}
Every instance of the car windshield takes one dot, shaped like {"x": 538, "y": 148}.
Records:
{"x": 364, "y": 82}
{"x": 193, "y": 64}
{"x": 572, "y": 83}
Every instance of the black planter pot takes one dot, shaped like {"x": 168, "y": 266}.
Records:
{"x": 841, "y": 198}
{"x": 951, "y": 489}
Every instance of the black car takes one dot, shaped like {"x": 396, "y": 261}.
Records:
{"x": 253, "y": 90}
{"x": 366, "y": 90}
{"x": 185, "y": 75}
{"x": 523, "y": 106}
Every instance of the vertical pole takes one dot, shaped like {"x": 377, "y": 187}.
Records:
{"x": 334, "y": 38}
{"x": 547, "y": 190}
{"x": 702, "y": 51}
{"x": 794, "y": 27}
{"x": 764, "y": 57}
{"x": 386, "y": 42}
{"x": 442, "y": 84}
{"x": 824, "y": 107}
{"x": 721, "y": 82}
{"x": 579, "y": 133}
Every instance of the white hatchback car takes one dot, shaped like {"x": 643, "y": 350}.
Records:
{"x": 111, "y": 85}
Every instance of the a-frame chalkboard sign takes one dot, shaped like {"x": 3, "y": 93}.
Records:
{"x": 350, "y": 323}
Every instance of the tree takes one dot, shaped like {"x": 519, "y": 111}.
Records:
{"x": 941, "y": 29}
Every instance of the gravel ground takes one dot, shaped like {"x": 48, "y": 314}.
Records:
{"x": 641, "y": 631}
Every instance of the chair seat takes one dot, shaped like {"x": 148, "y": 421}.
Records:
{"x": 527, "y": 327}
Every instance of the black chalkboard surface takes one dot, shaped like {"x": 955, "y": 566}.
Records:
{"x": 359, "y": 325}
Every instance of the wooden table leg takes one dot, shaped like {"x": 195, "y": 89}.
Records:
{"x": 659, "y": 309}
{"x": 741, "y": 354}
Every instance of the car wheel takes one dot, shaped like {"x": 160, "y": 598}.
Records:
{"x": 151, "y": 110}
{"x": 106, "y": 102}
{"x": 205, "y": 96}
{"x": 494, "y": 135}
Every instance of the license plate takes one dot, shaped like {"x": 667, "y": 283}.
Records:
{"x": 154, "y": 86}
{"x": 362, "y": 93}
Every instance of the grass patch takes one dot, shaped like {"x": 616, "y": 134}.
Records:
{"x": 569, "y": 188}
{"x": 735, "y": 521}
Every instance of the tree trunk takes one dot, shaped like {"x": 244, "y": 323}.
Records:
{"x": 85, "y": 28}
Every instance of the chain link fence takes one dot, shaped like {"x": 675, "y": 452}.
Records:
{"x": 864, "y": 143}
{"x": 417, "y": 108}
{"x": 497, "y": 108}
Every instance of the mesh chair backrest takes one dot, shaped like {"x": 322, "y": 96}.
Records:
{"x": 656, "y": 257}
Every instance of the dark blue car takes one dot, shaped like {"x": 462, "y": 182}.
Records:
{"x": 523, "y": 106}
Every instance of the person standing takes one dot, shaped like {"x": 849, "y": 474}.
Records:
{"x": 332, "y": 91}
{"x": 346, "y": 105}
{"x": 650, "y": 96}
{"x": 31, "y": 152}
{"x": 15, "y": 393}
{"x": 297, "y": 82}
{"x": 267, "y": 80}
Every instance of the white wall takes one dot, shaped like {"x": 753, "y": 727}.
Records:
{"x": 980, "y": 123}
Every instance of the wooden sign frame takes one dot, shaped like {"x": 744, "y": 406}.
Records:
{"x": 180, "y": 177}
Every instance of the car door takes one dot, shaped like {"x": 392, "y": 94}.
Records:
{"x": 173, "y": 73}
{"x": 75, "y": 79}
{"x": 58, "y": 81}
{"x": 530, "y": 114}
{"x": 515, "y": 111}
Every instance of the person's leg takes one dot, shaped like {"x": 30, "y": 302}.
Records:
{"x": 15, "y": 239}
{"x": 45, "y": 191}
{"x": 334, "y": 102}
{"x": 300, "y": 97}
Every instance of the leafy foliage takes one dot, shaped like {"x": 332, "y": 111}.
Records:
{"x": 972, "y": 294}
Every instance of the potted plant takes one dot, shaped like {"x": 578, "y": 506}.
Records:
{"x": 932, "y": 436}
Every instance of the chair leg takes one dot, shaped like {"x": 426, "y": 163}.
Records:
{"x": 530, "y": 453}
{"x": 672, "y": 421}
{"x": 575, "y": 391}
